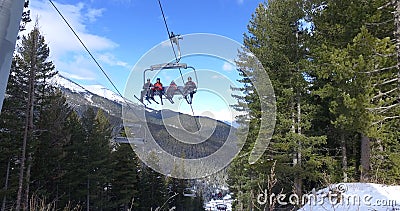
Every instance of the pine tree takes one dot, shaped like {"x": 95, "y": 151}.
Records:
{"x": 152, "y": 189}
{"x": 73, "y": 189}
{"x": 31, "y": 79}
{"x": 48, "y": 150}
{"x": 124, "y": 183}
{"x": 96, "y": 158}
{"x": 11, "y": 132}
{"x": 277, "y": 40}
{"x": 351, "y": 67}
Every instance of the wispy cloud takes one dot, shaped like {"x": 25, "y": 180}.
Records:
{"x": 93, "y": 14}
{"x": 228, "y": 66}
{"x": 240, "y": 1}
{"x": 65, "y": 50}
{"x": 78, "y": 67}
{"x": 77, "y": 77}
{"x": 223, "y": 114}
{"x": 122, "y": 1}
{"x": 110, "y": 59}
{"x": 59, "y": 36}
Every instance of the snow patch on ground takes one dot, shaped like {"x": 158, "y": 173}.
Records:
{"x": 354, "y": 196}
{"x": 213, "y": 205}
{"x": 88, "y": 97}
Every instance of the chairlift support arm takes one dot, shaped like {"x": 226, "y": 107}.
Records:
{"x": 168, "y": 66}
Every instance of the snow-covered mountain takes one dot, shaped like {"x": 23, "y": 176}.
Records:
{"x": 60, "y": 81}
{"x": 104, "y": 92}
{"x": 80, "y": 98}
{"x": 88, "y": 90}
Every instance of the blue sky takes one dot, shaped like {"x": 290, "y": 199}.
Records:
{"x": 120, "y": 32}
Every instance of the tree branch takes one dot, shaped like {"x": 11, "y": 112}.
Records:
{"x": 386, "y": 118}
{"x": 384, "y": 108}
{"x": 387, "y": 82}
{"x": 379, "y": 70}
{"x": 385, "y": 55}
{"x": 380, "y": 23}
{"x": 384, "y": 94}
{"x": 390, "y": 3}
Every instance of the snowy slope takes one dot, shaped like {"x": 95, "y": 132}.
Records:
{"x": 212, "y": 205}
{"x": 87, "y": 90}
{"x": 104, "y": 92}
{"x": 354, "y": 196}
{"x": 61, "y": 81}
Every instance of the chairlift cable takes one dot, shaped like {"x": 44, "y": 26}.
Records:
{"x": 176, "y": 58}
{"x": 195, "y": 120}
{"x": 91, "y": 55}
{"x": 101, "y": 68}
{"x": 170, "y": 40}
{"x": 169, "y": 34}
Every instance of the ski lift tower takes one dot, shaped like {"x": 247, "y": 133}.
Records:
{"x": 10, "y": 17}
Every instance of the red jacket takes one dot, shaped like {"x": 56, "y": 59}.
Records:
{"x": 158, "y": 86}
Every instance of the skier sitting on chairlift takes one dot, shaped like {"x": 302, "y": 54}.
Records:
{"x": 147, "y": 91}
{"x": 189, "y": 89}
{"x": 171, "y": 91}
{"x": 158, "y": 89}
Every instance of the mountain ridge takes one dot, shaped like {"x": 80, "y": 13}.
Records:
{"x": 81, "y": 97}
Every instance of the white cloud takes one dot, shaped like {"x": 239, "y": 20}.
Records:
{"x": 59, "y": 36}
{"x": 228, "y": 66}
{"x": 74, "y": 76}
{"x": 78, "y": 67}
{"x": 121, "y": 1}
{"x": 222, "y": 115}
{"x": 110, "y": 59}
{"x": 240, "y": 1}
{"x": 93, "y": 14}
{"x": 65, "y": 50}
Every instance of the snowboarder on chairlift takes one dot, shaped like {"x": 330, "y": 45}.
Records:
{"x": 147, "y": 91}
{"x": 189, "y": 89}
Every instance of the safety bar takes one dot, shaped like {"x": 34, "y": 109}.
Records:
{"x": 165, "y": 66}
{"x": 168, "y": 66}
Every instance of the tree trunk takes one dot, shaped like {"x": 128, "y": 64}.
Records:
{"x": 3, "y": 206}
{"x": 28, "y": 178}
{"x": 293, "y": 128}
{"x": 365, "y": 158}
{"x": 88, "y": 195}
{"x": 344, "y": 156}
{"x": 27, "y": 133}
{"x": 298, "y": 181}
{"x": 375, "y": 166}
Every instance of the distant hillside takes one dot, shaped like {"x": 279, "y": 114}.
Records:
{"x": 160, "y": 123}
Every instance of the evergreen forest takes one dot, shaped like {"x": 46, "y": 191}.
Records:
{"x": 335, "y": 69}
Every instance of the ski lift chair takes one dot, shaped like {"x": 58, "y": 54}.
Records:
{"x": 179, "y": 90}
{"x": 189, "y": 192}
